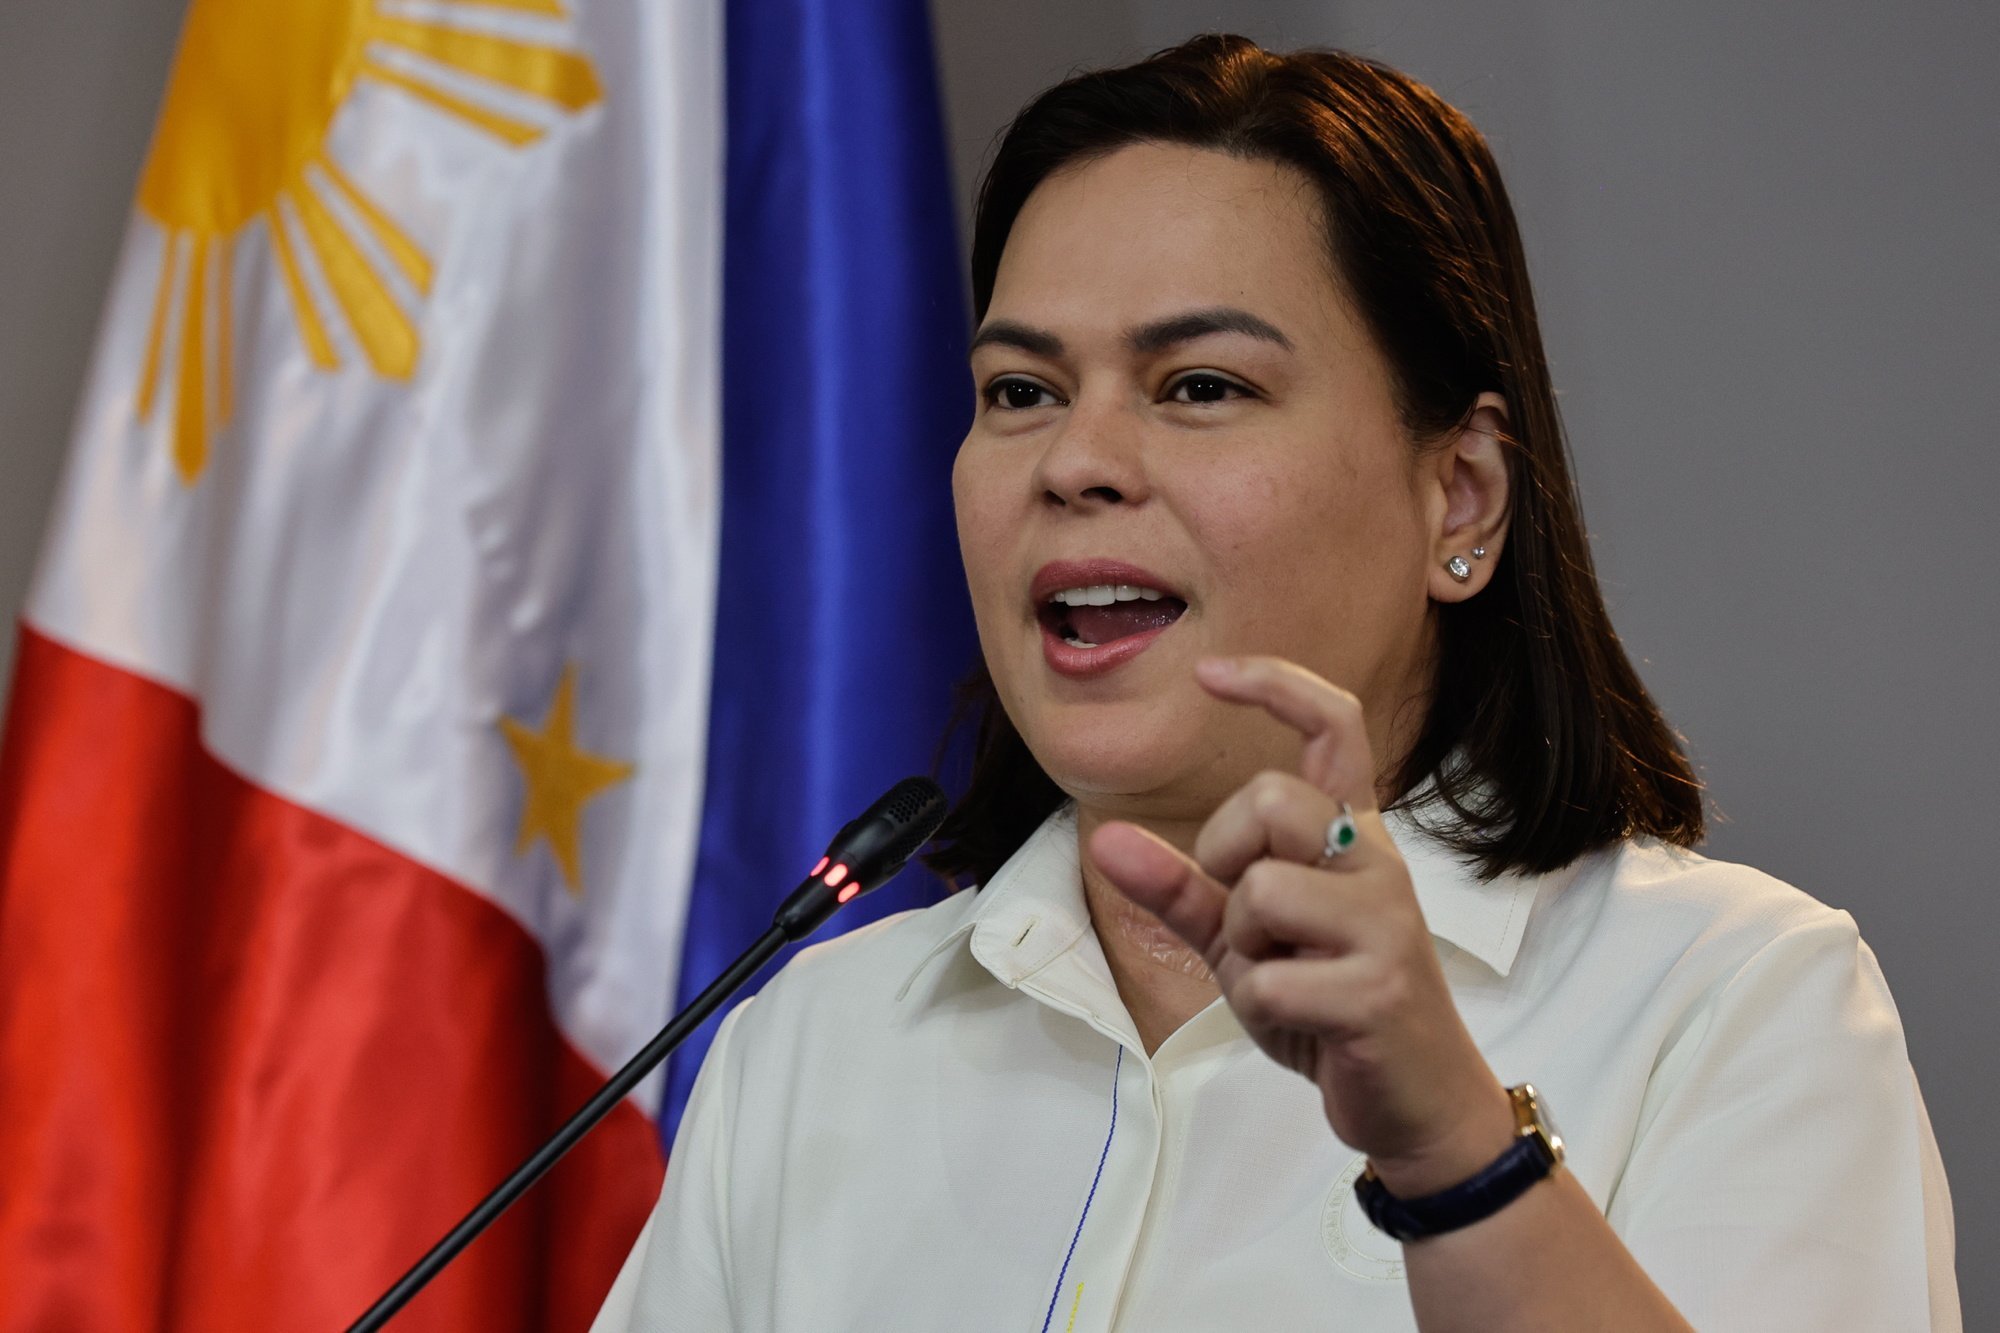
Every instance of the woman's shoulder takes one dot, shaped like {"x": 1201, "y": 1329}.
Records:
{"x": 863, "y": 968}
{"x": 1644, "y": 898}
{"x": 1660, "y": 879}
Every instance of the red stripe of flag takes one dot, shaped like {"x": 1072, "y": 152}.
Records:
{"x": 252, "y": 1063}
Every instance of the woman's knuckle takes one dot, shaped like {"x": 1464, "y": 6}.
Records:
{"x": 1270, "y": 790}
{"x": 1384, "y": 992}
{"x": 1271, "y": 994}
{"x": 1253, "y": 995}
{"x": 1260, "y": 888}
{"x": 1348, "y": 702}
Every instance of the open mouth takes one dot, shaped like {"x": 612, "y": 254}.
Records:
{"x": 1105, "y": 613}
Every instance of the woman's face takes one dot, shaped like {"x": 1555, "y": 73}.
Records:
{"x": 1176, "y": 397}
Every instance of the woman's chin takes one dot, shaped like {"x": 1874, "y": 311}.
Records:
{"x": 1116, "y": 762}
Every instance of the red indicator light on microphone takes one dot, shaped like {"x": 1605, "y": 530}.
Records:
{"x": 835, "y": 875}
{"x": 848, "y": 892}
{"x": 816, "y": 869}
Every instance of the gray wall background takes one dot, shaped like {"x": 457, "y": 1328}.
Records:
{"x": 1763, "y": 240}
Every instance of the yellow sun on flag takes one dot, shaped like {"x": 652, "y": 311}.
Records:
{"x": 242, "y": 138}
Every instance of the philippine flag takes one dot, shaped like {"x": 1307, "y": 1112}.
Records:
{"x": 507, "y": 532}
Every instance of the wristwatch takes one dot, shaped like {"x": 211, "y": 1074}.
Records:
{"x": 1537, "y": 1151}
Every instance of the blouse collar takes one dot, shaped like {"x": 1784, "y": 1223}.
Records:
{"x": 1032, "y": 909}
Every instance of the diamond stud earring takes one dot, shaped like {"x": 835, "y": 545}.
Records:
{"x": 1479, "y": 553}
{"x": 1459, "y": 569}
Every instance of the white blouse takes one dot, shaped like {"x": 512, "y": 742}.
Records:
{"x": 946, "y": 1120}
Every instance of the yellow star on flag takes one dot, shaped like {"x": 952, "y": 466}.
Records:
{"x": 561, "y": 779}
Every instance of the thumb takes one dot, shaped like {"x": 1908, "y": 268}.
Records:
{"x": 1156, "y": 876}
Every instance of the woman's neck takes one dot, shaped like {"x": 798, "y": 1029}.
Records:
{"x": 1162, "y": 982}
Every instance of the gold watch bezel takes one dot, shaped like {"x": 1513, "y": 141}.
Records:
{"x": 1531, "y": 1118}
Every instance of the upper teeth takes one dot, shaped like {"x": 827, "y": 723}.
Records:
{"x": 1104, "y": 594}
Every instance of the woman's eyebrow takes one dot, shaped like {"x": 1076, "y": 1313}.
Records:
{"x": 1164, "y": 333}
{"x": 1007, "y": 333}
{"x": 1156, "y": 336}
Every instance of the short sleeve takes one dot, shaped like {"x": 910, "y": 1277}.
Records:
{"x": 1783, "y": 1174}
{"x": 677, "y": 1275}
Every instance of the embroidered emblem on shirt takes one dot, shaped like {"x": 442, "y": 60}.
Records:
{"x": 1352, "y": 1239}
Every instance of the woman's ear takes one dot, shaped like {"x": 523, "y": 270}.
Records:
{"x": 1470, "y": 496}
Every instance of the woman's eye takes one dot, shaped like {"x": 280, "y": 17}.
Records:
{"x": 1019, "y": 395}
{"x": 1204, "y": 388}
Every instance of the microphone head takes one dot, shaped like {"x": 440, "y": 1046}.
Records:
{"x": 868, "y": 851}
{"x": 881, "y": 840}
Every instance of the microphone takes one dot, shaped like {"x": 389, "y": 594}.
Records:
{"x": 867, "y": 852}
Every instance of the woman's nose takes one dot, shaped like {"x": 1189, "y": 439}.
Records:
{"x": 1095, "y": 457}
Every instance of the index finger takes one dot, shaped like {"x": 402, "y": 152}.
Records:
{"x": 1338, "y": 759}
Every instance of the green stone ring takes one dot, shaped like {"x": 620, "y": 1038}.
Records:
{"x": 1340, "y": 832}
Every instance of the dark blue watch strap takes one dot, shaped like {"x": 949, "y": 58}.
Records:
{"x": 1526, "y": 1161}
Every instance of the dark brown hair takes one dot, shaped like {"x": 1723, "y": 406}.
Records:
{"x": 1558, "y": 748}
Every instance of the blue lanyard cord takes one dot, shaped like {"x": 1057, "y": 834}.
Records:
{"x": 1056, "y": 1295}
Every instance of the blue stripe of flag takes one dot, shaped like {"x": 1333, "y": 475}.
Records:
{"x": 841, "y": 617}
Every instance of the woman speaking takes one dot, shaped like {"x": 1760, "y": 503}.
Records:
{"x": 1328, "y": 847}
